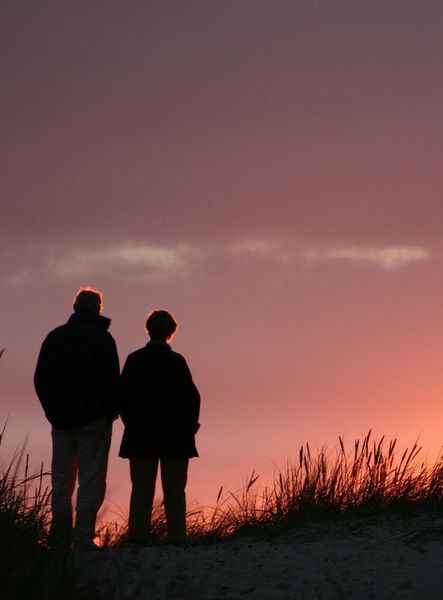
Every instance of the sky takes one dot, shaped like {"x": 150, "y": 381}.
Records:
{"x": 268, "y": 171}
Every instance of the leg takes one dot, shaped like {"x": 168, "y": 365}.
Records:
{"x": 143, "y": 475}
{"x": 174, "y": 476}
{"x": 93, "y": 442}
{"x": 63, "y": 474}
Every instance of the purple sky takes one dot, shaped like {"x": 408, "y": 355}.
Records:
{"x": 268, "y": 171}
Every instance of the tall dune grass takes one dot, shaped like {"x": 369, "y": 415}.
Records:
{"x": 368, "y": 480}
{"x": 24, "y": 516}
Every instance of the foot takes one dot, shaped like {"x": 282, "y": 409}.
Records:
{"x": 85, "y": 546}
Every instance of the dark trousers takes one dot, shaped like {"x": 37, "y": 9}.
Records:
{"x": 174, "y": 472}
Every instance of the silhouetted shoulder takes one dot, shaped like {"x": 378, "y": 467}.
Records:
{"x": 137, "y": 354}
{"x": 58, "y": 331}
{"x": 179, "y": 357}
{"x": 178, "y": 360}
{"x": 155, "y": 354}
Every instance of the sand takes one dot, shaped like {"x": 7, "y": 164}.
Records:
{"x": 392, "y": 558}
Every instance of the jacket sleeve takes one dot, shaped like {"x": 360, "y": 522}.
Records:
{"x": 125, "y": 392}
{"x": 187, "y": 390}
{"x": 109, "y": 372}
{"x": 44, "y": 383}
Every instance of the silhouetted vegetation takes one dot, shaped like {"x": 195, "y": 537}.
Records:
{"x": 367, "y": 482}
{"x": 24, "y": 514}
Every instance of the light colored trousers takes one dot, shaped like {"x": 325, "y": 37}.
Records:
{"x": 83, "y": 452}
{"x": 174, "y": 473}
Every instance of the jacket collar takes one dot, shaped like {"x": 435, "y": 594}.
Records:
{"x": 88, "y": 317}
{"x": 159, "y": 344}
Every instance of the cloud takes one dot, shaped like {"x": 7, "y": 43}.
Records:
{"x": 387, "y": 258}
{"x": 273, "y": 249}
{"x": 144, "y": 260}
{"x": 291, "y": 252}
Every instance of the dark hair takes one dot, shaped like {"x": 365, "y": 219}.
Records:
{"x": 88, "y": 299}
{"x": 160, "y": 325}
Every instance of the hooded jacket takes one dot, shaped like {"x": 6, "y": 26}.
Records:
{"x": 77, "y": 372}
{"x": 159, "y": 404}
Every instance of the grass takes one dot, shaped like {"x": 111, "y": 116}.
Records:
{"x": 24, "y": 517}
{"x": 368, "y": 481}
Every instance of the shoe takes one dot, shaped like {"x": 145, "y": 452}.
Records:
{"x": 85, "y": 547}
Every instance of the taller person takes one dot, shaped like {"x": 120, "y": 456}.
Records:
{"x": 160, "y": 407}
{"x": 76, "y": 379}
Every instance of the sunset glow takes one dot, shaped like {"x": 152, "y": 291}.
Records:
{"x": 270, "y": 172}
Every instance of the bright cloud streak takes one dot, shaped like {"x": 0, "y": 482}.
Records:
{"x": 384, "y": 257}
{"x": 162, "y": 262}
{"x": 387, "y": 258}
{"x": 158, "y": 261}
{"x": 272, "y": 249}
{"x": 257, "y": 247}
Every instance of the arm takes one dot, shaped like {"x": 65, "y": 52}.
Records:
{"x": 43, "y": 377}
{"x": 109, "y": 370}
{"x": 125, "y": 391}
{"x": 190, "y": 395}
{"x": 48, "y": 385}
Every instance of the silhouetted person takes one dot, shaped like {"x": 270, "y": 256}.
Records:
{"x": 160, "y": 406}
{"x": 76, "y": 379}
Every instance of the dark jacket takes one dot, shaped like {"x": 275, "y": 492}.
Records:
{"x": 77, "y": 372}
{"x": 159, "y": 404}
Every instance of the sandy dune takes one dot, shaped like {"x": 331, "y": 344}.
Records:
{"x": 396, "y": 558}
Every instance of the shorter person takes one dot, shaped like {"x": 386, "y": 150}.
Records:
{"x": 159, "y": 405}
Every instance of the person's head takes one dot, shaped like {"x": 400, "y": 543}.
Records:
{"x": 160, "y": 325}
{"x": 88, "y": 299}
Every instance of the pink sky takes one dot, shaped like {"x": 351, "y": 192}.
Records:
{"x": 268, "y": 171}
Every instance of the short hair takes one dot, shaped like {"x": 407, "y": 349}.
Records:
{"x": 88, "y": 299}
{"x": 160, "y": 325}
